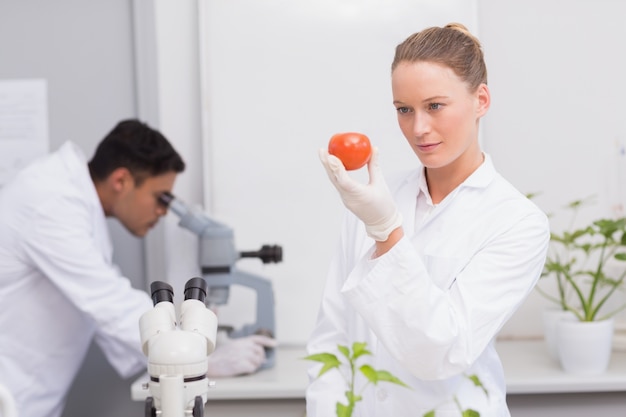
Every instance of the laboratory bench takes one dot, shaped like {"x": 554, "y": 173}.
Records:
{"x": 536, "y": 386}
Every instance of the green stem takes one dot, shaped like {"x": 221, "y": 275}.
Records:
{"x": 613, "y": 312}
{"x": 561, "y": 288}
{"x": 589, "y": 310}
{"x": 458, "y": 404}
{"x": 352, "y": 380}
{"x": 580, "y": 295}
{"x": 608, "y": 295}
{"x": 549, "y": 297}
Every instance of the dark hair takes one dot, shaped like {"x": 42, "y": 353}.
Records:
{"x": 452, "y": 45}
{"x": 134, "y": 145}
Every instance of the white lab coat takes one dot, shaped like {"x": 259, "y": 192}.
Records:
{"x": 430, "y": 308}
{"x": 58, "y": 287}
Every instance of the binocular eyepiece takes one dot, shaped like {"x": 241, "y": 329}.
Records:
{"x": 196, "y": 289}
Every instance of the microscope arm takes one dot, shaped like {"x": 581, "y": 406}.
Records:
{"x": 217, "y": 257}
{"x": 264, "y": 310}
{"x": 217, "y": 249}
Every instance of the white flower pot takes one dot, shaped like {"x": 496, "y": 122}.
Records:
{"x": 584, "y": 347}
{"x": 550, "y": 317}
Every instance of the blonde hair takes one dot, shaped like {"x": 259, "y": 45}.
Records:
{"x": 452, "y": 45}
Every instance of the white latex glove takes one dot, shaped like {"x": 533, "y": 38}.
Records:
{"x": 238, "y": 356}
{"x": 372, "y": 202}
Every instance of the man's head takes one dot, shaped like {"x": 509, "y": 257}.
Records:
{"x": 132, "y": 166}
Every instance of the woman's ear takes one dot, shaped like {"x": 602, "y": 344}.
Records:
{"x": 483, "y": 97}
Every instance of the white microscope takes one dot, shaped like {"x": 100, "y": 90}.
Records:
{"x": 178, "y": 355}
{"x": 217, "y": 257}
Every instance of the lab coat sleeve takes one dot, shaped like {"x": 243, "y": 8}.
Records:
{"x": 437, "y": 332}
{"x": 61, "y": 244}
{"x": 331, "y": 330}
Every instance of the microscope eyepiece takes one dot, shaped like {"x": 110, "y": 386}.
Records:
{"x": 161, "y": 291}
{"x": 196, "y": 288}
{"x": 165, "y": 198}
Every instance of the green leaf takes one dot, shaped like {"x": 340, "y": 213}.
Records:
{"x": 478, "y": 383}
{"x": 352, "y": 398}
{"x": 621, "y": 256}
{"x": 344, "y": 351}
{"x": 329, "y": 360}
{"x": 375, "y": 376}
{"x": 388, "y": 377}
{"x": 343, "y": 410}
{"x": 359, "y": 349}
{"x": 470, "y": 413}
{"x": 431, "y": 413}
{"x": 370, "y": 373}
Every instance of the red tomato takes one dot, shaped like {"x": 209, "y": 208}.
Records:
{"x": 353, "y": 149}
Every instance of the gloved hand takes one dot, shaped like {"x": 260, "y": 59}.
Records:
{"x": 238, "y": 356}
{"x": 372, "y": 202}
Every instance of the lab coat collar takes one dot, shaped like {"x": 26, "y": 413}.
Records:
{"x": 415, "y": 183}
{"x": 76, "y": 162}
{"x": 480, "y": 178}
{"x": 483, "y": 176}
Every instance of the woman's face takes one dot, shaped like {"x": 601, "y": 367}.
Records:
{"x": 437, "y": 113}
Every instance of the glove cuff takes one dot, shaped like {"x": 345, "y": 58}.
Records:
{"x": 380, "y": 232}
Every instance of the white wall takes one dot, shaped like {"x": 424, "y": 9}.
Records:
{"x": 169, "y": 97}
{"x": 281, "y": 77}
{"x": 557, "y": 124}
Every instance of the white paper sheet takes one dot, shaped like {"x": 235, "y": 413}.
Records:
{"x": 23, "y": 124}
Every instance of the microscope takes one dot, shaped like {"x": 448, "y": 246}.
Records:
{"x": 177, "y": 356}
{"x": 217, "y": 257}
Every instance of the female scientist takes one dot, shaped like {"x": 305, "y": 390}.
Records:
{"x": 431, "y": 268}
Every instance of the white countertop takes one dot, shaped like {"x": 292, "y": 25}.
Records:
{"x": 529, "y": 369}
{"x": 527, "y": 365}
{"x": 286, "y": 379}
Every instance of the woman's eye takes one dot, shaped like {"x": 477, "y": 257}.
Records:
{"x": 434, "y": 106}
{"x": 402, "y": 110}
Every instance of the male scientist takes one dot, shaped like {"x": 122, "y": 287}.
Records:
{"x": 58, "y": 286}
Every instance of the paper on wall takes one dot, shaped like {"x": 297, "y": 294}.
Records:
{"x": 23, "y": 124}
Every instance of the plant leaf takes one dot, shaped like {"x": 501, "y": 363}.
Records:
{"x": 343, "y": 410}
{"x": 430, "y": 413}
{"x": 621, "y": 256}
{"x": 388, "y": 377}
{"x": 375, "y": 376}
{"x": 470, "y": 413}
{"x": 359, "y": 349}
{"x": 369, "y": 373}
{"x": 352, "y": 397}
{"x": 344, "y": 351}
{"x": 329, "y": 360}
{"x": 478, "y": 383}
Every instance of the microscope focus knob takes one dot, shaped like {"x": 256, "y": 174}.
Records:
{"x": 267, "y": 254}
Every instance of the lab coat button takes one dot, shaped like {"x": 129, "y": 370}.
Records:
{"x": 381, "y": 394}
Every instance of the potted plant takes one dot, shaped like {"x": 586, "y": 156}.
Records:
{"x": 583, "y": 261}
{"x": 559, "y": 308}
{"x": 351, "y": 357}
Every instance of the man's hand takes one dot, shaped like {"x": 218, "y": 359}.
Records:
{"x": 372, "y": 202}
{"x": 239, "y": 356}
